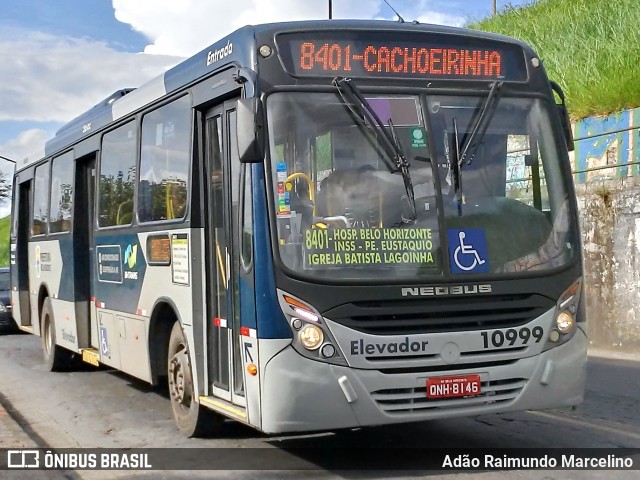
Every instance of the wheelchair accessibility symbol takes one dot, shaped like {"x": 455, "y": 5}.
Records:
{"x": 468, "y": 251}
{"x": 104, "y": 342}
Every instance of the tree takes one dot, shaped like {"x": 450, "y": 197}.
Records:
{"x": 5, "y": 187}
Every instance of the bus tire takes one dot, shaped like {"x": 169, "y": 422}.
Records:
{"x": 192, "y": 419}
{"x": 56, "y": 358}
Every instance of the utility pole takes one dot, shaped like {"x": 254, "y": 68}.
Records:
{"x": 331, "y": 10}
{"x": 494, "y": 8}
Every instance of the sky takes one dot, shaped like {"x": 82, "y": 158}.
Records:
{"x": 58, "y": 58}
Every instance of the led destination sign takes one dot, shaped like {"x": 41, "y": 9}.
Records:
{"x": 395, "y": 59}
{"x": 326, "y": 248}
{"x": 417, "y": 55}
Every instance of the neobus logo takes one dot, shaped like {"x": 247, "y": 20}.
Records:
{"x": 446, "y": 290}
{"x": 216, "y": 55}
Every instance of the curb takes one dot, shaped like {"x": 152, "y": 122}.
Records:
{"x": 612, "y": 355}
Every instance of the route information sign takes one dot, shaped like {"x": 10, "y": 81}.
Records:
{"x": 368, "y": 246}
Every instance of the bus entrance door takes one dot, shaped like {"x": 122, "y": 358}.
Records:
{"x": 21, "y": 301}
{"x": 226, "y": 379}
{"x": 84, "y": 251}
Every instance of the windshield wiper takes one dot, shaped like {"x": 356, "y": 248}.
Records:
{"x": 465, "y": 152}
{"x": 396, "y": 160}
{"x": 471, "y": 141}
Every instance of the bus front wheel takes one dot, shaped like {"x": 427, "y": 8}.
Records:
{"x": 192, "y": 419}
{"x": 56, "y": 358}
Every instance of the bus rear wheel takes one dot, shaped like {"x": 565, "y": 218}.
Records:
{"x": 192, "y": 419}
{"x": 56, "y": 358}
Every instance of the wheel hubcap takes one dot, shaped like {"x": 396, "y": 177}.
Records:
{"x": 178, "y": 369}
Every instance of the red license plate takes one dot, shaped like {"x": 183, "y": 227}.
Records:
{"x": 454, "y": 386}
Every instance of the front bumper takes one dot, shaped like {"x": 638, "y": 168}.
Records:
{"x": 319, "y": 396}
{"x": 6, "y": 320}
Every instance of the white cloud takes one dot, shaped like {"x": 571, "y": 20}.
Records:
{"x": 440, "y": 18}
{"x": 29, "y": 144}
{"x": 184, "y": 27}
{"x": 55, "y": 78}
{"x": 425, "y": 12}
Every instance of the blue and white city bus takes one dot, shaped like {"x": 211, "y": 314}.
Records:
{"x": 313, "y": 226}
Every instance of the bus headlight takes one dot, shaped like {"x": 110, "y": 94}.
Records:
{"x": 311, "y": 337}
{"x": 565, "y": 322}
{"x": 567, "y": 316}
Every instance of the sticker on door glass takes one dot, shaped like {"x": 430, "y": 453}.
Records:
{"x": 468, "y": 251}
{"x": 418, "y": 138}
{"x": 283, "y": 210}
{"x": 281, "y": 169}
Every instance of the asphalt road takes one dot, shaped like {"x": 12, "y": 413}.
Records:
{"x": 106, "y": 409}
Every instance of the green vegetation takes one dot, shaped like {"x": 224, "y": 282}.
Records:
{"x": 590, "y": 47}
{"x": 5, "y": 225}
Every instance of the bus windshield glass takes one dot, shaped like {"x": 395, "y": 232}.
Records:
{"x": 342, "y": 213}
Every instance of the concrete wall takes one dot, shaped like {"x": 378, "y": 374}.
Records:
{"x": 609, "y": 204}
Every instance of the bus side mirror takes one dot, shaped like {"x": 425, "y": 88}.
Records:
{"x": 250, "y": 130}
{"x": 564, "y": 116}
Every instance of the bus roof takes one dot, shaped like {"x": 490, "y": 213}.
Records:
{"x": 123, "y": 102}
{"x": 236, "y": 48}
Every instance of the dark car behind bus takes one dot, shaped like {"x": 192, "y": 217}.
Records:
{"x": 6, "y": 317}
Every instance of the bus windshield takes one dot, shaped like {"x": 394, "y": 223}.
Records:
{"x": 343, "y": 214}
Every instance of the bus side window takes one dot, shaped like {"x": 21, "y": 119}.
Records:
{"x": 117, "y": 175}
{"x": 164, "y": 162}
{"x": 40, "y": 201}
{"x": 61, "y": 193}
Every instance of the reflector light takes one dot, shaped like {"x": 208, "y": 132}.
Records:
{"x": 569, "y": 295}
{"x": 328, "y": 350}
{"x": 306, "y": 315}
{"x": 295, "y": 303}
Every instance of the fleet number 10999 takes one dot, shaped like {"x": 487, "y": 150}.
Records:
{"x": 511, "y": 337}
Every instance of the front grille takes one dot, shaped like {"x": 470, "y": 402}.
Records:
{"x": 414, "y": 400}
{"x": 440, "y": 314}
{"x": 431, "y": 369}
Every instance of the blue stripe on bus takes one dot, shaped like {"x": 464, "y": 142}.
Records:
{"x": 119, "y": 290}
{"x": 66, "y": 291}
{"x": 247, "y": 303}
{"x": 271, "y": 323}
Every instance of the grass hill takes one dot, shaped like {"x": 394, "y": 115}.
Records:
{"x": 5, "y": 224}
{"x": 590, "y": 47}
